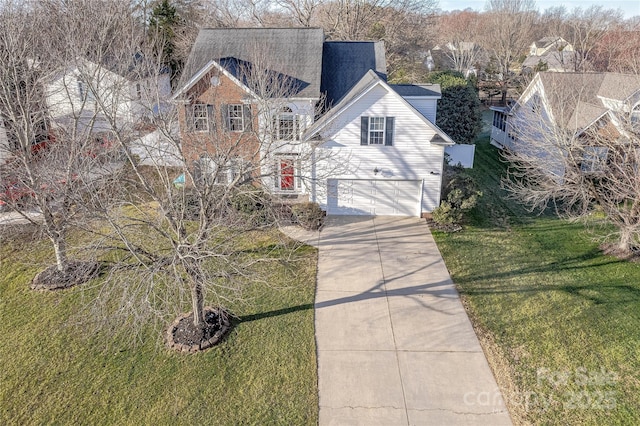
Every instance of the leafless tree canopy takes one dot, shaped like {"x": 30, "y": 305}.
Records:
{"x": 578, "y": 172}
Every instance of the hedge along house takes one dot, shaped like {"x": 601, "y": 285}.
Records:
{"x": 315, "y": 119}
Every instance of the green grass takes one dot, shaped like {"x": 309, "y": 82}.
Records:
{"x": 559, "y": 320}
{"x": 263, "y": 373}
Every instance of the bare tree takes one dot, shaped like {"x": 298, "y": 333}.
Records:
{"x": 303, "y": 12}
{"x": 586, "y": 27}
{"x": 457, "y": 33}
{"x": 48, "y": 157}
{"x": 186, "y": 230}
{"x": 507, "y": 33}
{"x": 561, "y": 164}
{"x": 618, "y": 50}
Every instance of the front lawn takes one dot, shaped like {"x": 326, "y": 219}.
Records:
{"x": 263, "y": 373}
{"x": 559, "y": 321}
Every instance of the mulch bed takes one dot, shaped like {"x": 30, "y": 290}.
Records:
{"x": 614, "y": 250}
{"x": 449, "y": 227}
{"x": 184, "y": 336}
{"x": 77, "y": 272}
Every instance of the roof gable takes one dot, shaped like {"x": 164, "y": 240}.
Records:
{"x": 293, "y": 54}
{"x": 575, "y": 100}
{"x": 366, "y": 84}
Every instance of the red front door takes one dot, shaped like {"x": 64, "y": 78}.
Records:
{"x": 286, "y": 175}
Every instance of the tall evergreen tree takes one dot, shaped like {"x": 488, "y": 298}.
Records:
{"x": 163, "y": 24}
{"x": 459, "y": 112}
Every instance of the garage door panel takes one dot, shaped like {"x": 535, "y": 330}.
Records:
{"x": 374, "y": 197}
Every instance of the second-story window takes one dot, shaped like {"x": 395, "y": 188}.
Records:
{"x": 286, "y": 125}
{"x": 235, "y": 118}
{"x": 200, "y": 118}
{"x": 85, "y": 92}
{"x": 376, "y": 130}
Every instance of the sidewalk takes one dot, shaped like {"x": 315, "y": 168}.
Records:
{"x": 395, "y": 346}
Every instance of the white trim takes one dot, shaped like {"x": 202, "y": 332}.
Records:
{"x": 200, "y": 74}
{"x": 376, "y": 81}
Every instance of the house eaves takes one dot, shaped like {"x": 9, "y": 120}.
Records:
{"x": 364, "y": 86}
{"x": 294, "y": 53}
{"x": 203, "y": 72}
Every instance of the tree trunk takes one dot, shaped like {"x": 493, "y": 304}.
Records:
{"x": 60, "y": 249}
{"x": 197, "y": 302}
{"x": 624, "y": 244}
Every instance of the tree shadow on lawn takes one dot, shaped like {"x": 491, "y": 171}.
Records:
{"x": 274, "y": 313}
{"x": 617, "y": 292}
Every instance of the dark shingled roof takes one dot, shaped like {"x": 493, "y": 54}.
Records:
{"x": 410, "y": 90}
{"x": 293, "y": 53}
{"x": 344, "y": 63}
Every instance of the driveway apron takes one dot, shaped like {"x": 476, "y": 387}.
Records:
{"x": 395, "y": 346}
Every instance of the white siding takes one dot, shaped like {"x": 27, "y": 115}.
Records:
{"x": 66, "y": 103}
{"x": 412, "y": 156}
{"x": 427, "y": 107}
{"x": 271, "y": 150}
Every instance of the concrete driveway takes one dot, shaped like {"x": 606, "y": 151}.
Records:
{"x": 395, "y": 346}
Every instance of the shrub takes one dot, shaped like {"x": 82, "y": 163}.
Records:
{"x": 249, "y": 199}
{"x": 459, "y": 114}
{"x": 253, "y": 205}
{"x": 459, "y": 195}
{"x": 309, "y": 215}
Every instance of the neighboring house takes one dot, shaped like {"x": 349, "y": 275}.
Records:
{"x": 573, "y": 101}
{"x": 72, "y": 94}
{"x": 462, "y": 56}
{"x": 371, "y": 148}
{"x": 550, "y": 54}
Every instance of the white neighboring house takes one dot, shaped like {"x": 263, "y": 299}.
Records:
{"x": 573, "y": 101}
{"x": 72, "y": 96}
{"x": 386, "y": 153}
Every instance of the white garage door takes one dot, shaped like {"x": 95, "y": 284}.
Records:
{"x": 374, "y": 197}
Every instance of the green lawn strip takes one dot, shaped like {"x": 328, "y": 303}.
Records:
{"x": 263, "y": 373}
{"x": 564, "y": 319}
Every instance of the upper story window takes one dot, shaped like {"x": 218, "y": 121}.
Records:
{"x": 199, "y": 118}
{"x": 138, "y": 90}
{"x": 235, "y": 118}
{"x": 376, "y": 130}
{"x": 287, "y": 125}
{"x": 85, "y": 91}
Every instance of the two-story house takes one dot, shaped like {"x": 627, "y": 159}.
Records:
{"x": 551, "y": 53}
{"x": 73, "y": 93}
{"x": 314, "y": 119}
